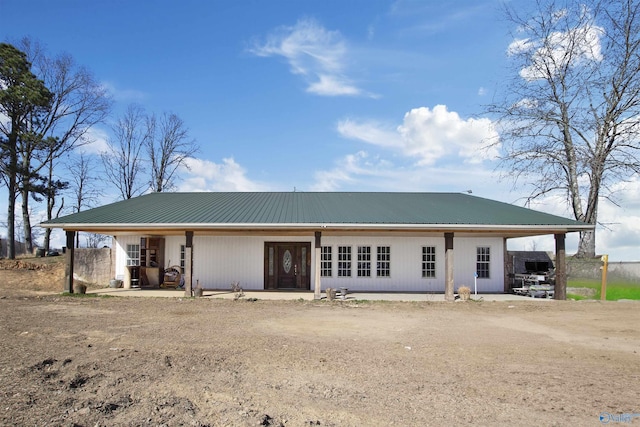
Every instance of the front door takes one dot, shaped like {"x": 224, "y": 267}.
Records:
{"x": 287, "y": 265}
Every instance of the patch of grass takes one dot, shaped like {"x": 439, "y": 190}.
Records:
{"x": 615, "y": 289}
{"x": 628, "y": 291}
{"x": 76, "y": 295}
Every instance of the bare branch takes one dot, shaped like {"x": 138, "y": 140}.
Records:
{"x": 123, "y": 162}
{"x": 570, "y": 116}
{"x": 168, "y": 146}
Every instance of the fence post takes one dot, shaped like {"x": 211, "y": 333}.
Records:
{"x": 603, "y": 290}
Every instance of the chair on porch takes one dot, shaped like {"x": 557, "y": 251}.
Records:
{"x": 172, "y": 277}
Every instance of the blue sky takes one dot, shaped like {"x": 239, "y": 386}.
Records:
{"x": 312, "y": 95}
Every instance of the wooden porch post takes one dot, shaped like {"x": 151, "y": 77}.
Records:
{"x": 68, "y": 272}
{"x": 507, "y": 267}
{"x": 317, "y": 289}
{"x": 561, "y": 268}
{"x": 188, "y": 264}
{"x": 448, "y": 266}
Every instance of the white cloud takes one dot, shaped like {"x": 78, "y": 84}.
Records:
{"x": 123, "y": 95}
{"x": 617, "y": 232}
{"x": 518, "y": 46}
{"x": 429, "y": 135}
{"x": 357, "y": 170}
{"x": 371, "y": 132}
{"x": 204, "y": 175}
{"x": 328, "y": 85}
{"x": 363, "y": 171}
{"x": 550, "y": 55}
{"x": 314, "y": 52}
{"x": 627, "y": 193}
{"x": 620, "y": 222}
{"x": 98, "y": 141}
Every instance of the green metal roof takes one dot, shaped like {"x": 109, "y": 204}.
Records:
{"x": 297, "y": 209}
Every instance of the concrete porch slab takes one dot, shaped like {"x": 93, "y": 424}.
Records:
{"x": 307, "y": 296}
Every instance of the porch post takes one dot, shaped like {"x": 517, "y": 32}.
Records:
{"x": 507, "y": 267}
{"x": 317, "y": 289}
{"x": 448, "y": 266}
{"x": 560, "y": 291}
{"x": 68, "y": 271}
{"x": 188, "y": 264}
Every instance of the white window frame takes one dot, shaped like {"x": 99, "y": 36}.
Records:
{"x": 364, "y": 261}
{"x": 133, "y": 254}
{"x": 326, "y": 261}
{"x": 344, "y": 261}
{"x": 428, "y": 262}
{"x": 483, "y": 262}
{"x": 383, "y": 259}
{"x": 183, "y": 256}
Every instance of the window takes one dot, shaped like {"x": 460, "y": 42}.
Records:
{"x": 133, "y": 254}
{"x": 364, "y": 261}
{"x": 483, "y": 260}
{"x": 344, "y": 261}
{"x": 384, "y": 261}
{"x": 182, "y": 257}
{"x": 325, "y": 262}
{"x": 429, "y": 261}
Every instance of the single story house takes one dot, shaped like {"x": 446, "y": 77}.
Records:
{"x": 363, "y": 241}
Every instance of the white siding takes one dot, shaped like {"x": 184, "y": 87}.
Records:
{"x": 220, "y": 260}
{"x": 464, "y": 263}
{"x": 120, "y": 245}
{"x": 172, "y": 250}
{"x": 406, "y": 264}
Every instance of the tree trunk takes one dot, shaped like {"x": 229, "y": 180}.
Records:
{"x": 26, "y": 220}
{"x": 11, "y": 210}
{"x": 47, "y": 239}
{"x": 11, "y": 218}
{"x": 587, "y": 246}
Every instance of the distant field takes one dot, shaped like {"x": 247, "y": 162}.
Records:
{"x": 615, "y": 289}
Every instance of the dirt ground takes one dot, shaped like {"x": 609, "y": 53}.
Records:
{"x": 71, "y": 361}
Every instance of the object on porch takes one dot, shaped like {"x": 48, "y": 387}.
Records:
{"x": 172, "y": 277}
{"x": 464, "y": 292}
{"x": 343, "y": 293}
{"x": 197, "y": 292}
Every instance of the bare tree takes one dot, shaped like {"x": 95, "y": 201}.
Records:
{"x": 79, "y": 102}
{"x": 84, "y": 185}
{"x": 123, "y": 162}
{"x": 94, "y": 240}
{"x": 168, "y": 147}
{"x": 570, "y": 117}
{"x": 53, "y": 188}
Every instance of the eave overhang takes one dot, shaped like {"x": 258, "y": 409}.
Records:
{"x": 328, "y": 228}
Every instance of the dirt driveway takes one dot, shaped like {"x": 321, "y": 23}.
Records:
{"x": 69, "y": 361}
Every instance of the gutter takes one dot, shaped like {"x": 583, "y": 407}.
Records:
{"x": 317, "y": 226}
